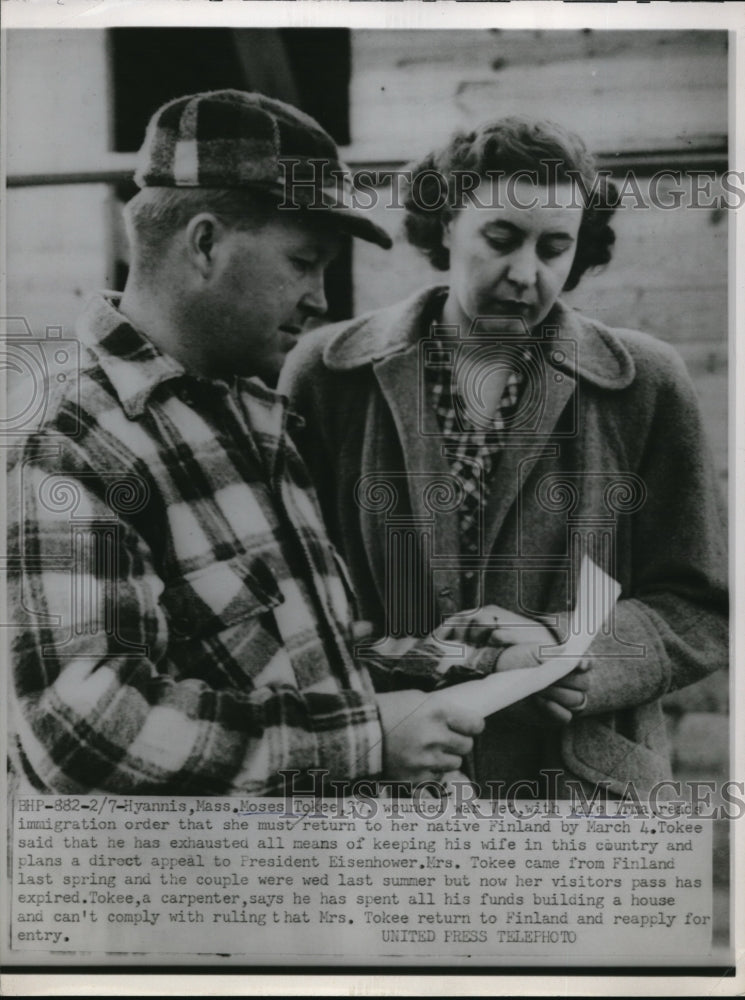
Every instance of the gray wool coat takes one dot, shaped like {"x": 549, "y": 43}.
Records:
{"x": 611, "y": 458}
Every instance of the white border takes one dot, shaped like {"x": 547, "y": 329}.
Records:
{"x": 415, "y": 14}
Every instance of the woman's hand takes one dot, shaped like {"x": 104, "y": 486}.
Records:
{"x": 492, "y": 625}
{"x": 565, "y": 699}
{"x": 527, "y": 644}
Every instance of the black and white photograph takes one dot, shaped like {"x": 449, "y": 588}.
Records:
{"x": 370, "y": 476}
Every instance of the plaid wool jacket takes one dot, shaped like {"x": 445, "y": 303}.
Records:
{"x": 182, "y": 618}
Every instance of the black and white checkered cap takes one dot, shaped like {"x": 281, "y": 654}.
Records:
{"x": 237, "y": 139}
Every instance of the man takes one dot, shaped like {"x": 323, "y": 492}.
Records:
{"x": 184, "y": 622}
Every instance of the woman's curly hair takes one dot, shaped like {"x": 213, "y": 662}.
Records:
{"x": 540, "y": 149}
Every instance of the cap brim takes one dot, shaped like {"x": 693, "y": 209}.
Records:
{"x": 354, "y": 221}
{"x": 327, "y": 201}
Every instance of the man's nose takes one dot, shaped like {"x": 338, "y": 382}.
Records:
{"x": 314, "y": 300}
{"x": 523, "y": 267}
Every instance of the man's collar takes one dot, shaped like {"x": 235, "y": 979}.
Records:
{"x": 133, "y": 365}
{"x": 593, "y": 351}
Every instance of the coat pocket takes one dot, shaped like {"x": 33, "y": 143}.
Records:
{"x": 220, "y": 595}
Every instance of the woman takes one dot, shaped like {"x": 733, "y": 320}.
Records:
{"x": 470, "y": 444}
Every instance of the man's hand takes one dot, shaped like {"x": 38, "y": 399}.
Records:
{"x": 423, "y": 736}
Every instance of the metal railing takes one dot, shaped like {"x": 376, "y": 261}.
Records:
{"x": 120, "y": 167}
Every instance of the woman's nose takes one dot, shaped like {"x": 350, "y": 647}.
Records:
{"x": 523, "y": 267}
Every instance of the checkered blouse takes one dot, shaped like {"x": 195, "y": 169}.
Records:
{"x": 472, "y": 450}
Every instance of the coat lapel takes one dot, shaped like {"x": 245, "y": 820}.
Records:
{"x": 427, "y": 474}
{"x": 519, "y": 456}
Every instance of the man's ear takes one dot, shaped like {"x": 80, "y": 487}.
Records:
{"x": 203, "y": 235}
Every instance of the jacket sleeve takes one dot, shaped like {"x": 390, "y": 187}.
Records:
{"x": 97, "y": 704}
{"x": 427, "y": 666}
{"x": 671, "y": 629}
